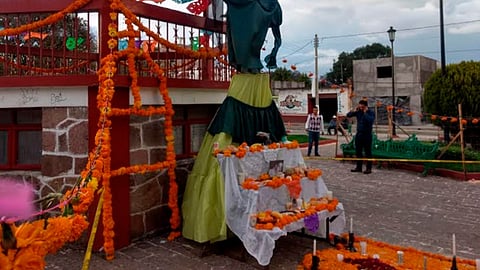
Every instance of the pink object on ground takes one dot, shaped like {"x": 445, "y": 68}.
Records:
{"x": 16, "y": 199}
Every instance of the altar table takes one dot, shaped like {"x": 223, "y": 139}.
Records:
{"x": 241, "y": 204}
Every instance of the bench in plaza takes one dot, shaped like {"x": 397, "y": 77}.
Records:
{"x": 411, "y": 149}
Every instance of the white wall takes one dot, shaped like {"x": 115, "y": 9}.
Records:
{"x": 77, "y": 96}
{"x": 28, "y": 97}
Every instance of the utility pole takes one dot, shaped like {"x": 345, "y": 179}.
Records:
{"x": 315, "y": 81}
{"x": 442, "y": 38}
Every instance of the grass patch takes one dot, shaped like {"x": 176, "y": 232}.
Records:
{"x": 301, "y": 138}
{"x": 454, "y": 152}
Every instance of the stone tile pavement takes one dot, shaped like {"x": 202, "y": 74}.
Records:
{"x": 391, "y": 205}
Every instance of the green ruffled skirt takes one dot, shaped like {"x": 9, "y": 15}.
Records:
{"x": 247, "y": 109}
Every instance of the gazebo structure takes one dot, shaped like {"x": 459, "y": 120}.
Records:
{"x": 50, "y": 67}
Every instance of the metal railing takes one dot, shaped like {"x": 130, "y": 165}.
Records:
{"x": 72, "y": 45}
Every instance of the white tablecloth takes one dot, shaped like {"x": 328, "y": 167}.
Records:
{"x": 240, "y": 204}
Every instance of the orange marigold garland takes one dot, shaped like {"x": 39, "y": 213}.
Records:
{"x": 267, "y": 220}
{"x": 50, "y": 20}
{"x": 34, "y": 240}
{"x": 313, "y": 174}
{"x": 98, "y": 166}
{"x": 294, "y": 186}
{"x": 243, "y": 149}
{"x": 170, "y": 162}
{"x": 292, "y": 181}
{"x": 413, "y": 259}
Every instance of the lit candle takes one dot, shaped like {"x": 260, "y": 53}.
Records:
{"x": 399, "y": 257}
{"x": 477, "y": 262}
{"x": 314, "y": 247}
{"x": 453, "y": 245}
{"x": 424, "y": 262}
{"x": 351, "y": 224}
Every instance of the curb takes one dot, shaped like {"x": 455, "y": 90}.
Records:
{"x": 455, "y": 175}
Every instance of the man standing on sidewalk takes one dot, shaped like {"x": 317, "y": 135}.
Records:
{"x": 314, "y": 126}
{"x": 363, "y": 137}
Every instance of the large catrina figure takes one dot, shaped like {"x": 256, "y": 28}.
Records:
{"x": 247, "y": 110}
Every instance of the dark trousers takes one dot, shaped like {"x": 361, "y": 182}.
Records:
{"x": 363, "y": 143}
{"x": 335, "y": 133}
{"x": 334, "y": 130}
{"x": 313, "y": 137}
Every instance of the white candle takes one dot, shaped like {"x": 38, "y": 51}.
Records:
{"x": 314, "y": 247}
{"x": 453, "y": 245}
{"x": 363, "y": 248}
{"x": 399, "y": 257}
{"x": 351, "y": 224}
{"x": 340, "y": 257}
{"x": 330, "y": 195}
{"x": 477, "y": 262}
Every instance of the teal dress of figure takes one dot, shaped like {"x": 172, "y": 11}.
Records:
{"x": 248, "y": 22}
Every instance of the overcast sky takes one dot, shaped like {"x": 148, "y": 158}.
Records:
{"x": 345, "y": 25}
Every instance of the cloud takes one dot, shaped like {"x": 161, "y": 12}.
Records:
{"x": 342, "y": 26}
{"x": 461, "y": 12}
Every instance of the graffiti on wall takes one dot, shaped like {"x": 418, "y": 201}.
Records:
{"x": 292, "y": 102}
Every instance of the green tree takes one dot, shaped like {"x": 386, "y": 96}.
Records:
{"x": 302, "y": 77}
{"x": 459, "y": 85}
{"x": 375, "y": 50}
{"x": 342, "y": 69}
{"x": 283, "y": 74}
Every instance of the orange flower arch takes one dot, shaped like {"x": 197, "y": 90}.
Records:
{"x": 38, "y": 238}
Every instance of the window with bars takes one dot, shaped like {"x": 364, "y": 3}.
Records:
{"x": 20, "y": 139}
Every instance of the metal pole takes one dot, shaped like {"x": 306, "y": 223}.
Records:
{"x": 393, "y": 92}
{"x": 461, "y": 141}
{"x": 315, "y": 44}
{"x": 442, "y": 38}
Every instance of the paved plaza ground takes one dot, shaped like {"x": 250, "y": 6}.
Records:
{"x": 395, "y": 206}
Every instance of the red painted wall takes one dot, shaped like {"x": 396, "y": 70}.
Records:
{"x": 120, "y": 185}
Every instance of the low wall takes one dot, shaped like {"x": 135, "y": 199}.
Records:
{"x": 65, "y": 154}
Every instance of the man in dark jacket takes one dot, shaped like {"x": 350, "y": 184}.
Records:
{"x": 363, "y": 137}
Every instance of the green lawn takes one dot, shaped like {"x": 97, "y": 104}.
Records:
{"x": 454, "y": 152}
{"x": 301, "y": 138}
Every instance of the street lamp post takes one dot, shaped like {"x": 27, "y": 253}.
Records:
{"x": 391, "y": 36}
{"x": 315, "y": 81}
